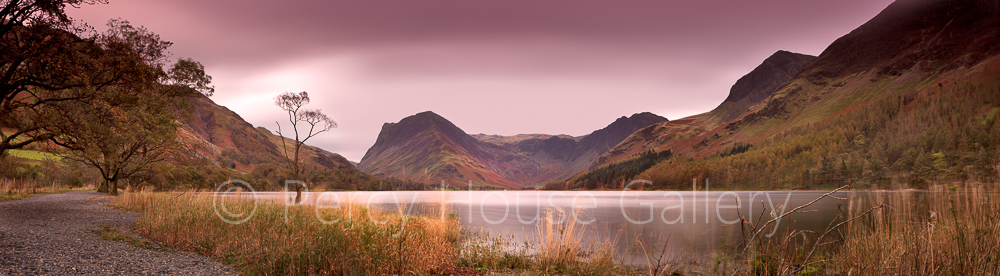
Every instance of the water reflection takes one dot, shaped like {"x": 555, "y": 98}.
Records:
{"x": 690, "y": 224}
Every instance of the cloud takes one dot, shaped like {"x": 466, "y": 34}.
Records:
{"x": 490, "y": 66}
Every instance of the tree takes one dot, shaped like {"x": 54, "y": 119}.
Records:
{"x": 126, "y": 127}
{"x": 42, "y": 66}
{"x": 27, "y": 12}
{"x": 317, "y": 123}
{"x": 122, "y": 139}
{"x": 46, "y": 67}
{"x": 40, "y": 60}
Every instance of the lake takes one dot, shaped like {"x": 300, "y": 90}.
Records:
{"x": 691, "y": 224}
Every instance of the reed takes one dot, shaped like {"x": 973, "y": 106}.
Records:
{"x": 941, "y": 232}
{"x": 556, "y": 248}
{"x": 356, "y": 244}
{"x": 15, "y": 189}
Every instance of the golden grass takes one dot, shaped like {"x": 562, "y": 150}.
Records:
{"x": 557, "y": 248}
{"x": 957, "y": 233}
{"x": 15, "y": 189}
{"x": 268, "y": 244}
{"x": 358, "y": 243}
{"x": 939, "y": 232}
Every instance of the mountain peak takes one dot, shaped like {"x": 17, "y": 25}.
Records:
{"x": 604, "y": 139}
{"x": 646, "y": 116}
{"x": 944, "y": 33}
{"x": 429, "y": 114}
{"x": 426, "y": 147}
{"x": 762, "y": 82}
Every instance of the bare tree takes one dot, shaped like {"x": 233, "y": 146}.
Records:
{"x": 317, "y": 123}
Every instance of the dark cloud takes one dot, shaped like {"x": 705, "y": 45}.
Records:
{"x": 493, "y": 66}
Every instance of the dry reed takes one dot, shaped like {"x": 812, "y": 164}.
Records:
{"x": 14, "y": 189}
{"x": 356, "y": 244}
{"x": 953, "y": 232}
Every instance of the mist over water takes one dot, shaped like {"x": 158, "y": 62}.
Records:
{"x": 691, "y": 224}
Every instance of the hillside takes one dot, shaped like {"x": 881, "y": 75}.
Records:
{"x": 562, "y": 157}
{"x": 909, "y": 98}
{"x": 428, "y": 148}
{"x": 749, "y": 90}
{"x": 221, "y": 135}
{"x": 760, "y": 83}
{"x": 216, "y": 145}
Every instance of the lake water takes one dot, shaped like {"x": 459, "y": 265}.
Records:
{"x": 692, "y": 224}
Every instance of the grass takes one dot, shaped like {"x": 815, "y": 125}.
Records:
{"x": 360, "y": 242}
{"x": 939, "y": 232}
{"x": 957, "y": 234}
{"x": 268, "y": 244}
{"x": 556, "y": 249}
{"x": 34, "y": 155}
{"x": 11, "y": 189}
{"x": 110, "y": 234}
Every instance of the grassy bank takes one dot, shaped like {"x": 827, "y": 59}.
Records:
{"x": 943, "y": 231}
{"x": 958, "y": 233}
{"x": 266, "y": 244}
{"x": 360, "y": 242}
{"x": 939, "y": 232}
{"x": 11, "y": 189}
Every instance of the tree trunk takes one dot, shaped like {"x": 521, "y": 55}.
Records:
{"x": 114, "y": 187}
{"x": 103, "y": 187}
{"x": 295, "y": 165}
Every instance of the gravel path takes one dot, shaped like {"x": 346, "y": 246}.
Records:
{"x": 53, "y": 234}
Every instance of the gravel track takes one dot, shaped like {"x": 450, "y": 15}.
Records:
{"x": 53, "y": 234}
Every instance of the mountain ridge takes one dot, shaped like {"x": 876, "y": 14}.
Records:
{"x": 426, "y": 147}
{"x": 864, "y": 88}
{"x": 749, "y": 91}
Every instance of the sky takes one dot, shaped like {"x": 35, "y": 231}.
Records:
{"x": 489, "y": 66}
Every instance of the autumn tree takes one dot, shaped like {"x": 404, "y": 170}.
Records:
{"x": 125, "y": 128}
{"x": 120, "y": 139}
{"x": 314, "y": 120}
{"x": 29, "y": 12}
{"x": 43, "y": 60}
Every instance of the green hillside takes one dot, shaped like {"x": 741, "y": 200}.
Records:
{"x": 909, "y": 99}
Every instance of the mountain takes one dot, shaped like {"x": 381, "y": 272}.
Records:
{"x": 760, "y": 83}
{"x": 218, "y": 134}
{"x": 561, "y": 157}
{"x": 909, "y": 98}
{"x": 749, "y": 90}
{"x": 428, "y": 148}
{"x": 221, "y": 146}
{"x": 500, "y": 140}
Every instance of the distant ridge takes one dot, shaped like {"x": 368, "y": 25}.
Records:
{"x": 428, "y": 148}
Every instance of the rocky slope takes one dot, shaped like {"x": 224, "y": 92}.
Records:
{"x": 428, "y": 148}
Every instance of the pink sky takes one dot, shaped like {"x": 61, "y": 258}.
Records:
{"x": 490, "y": 66}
